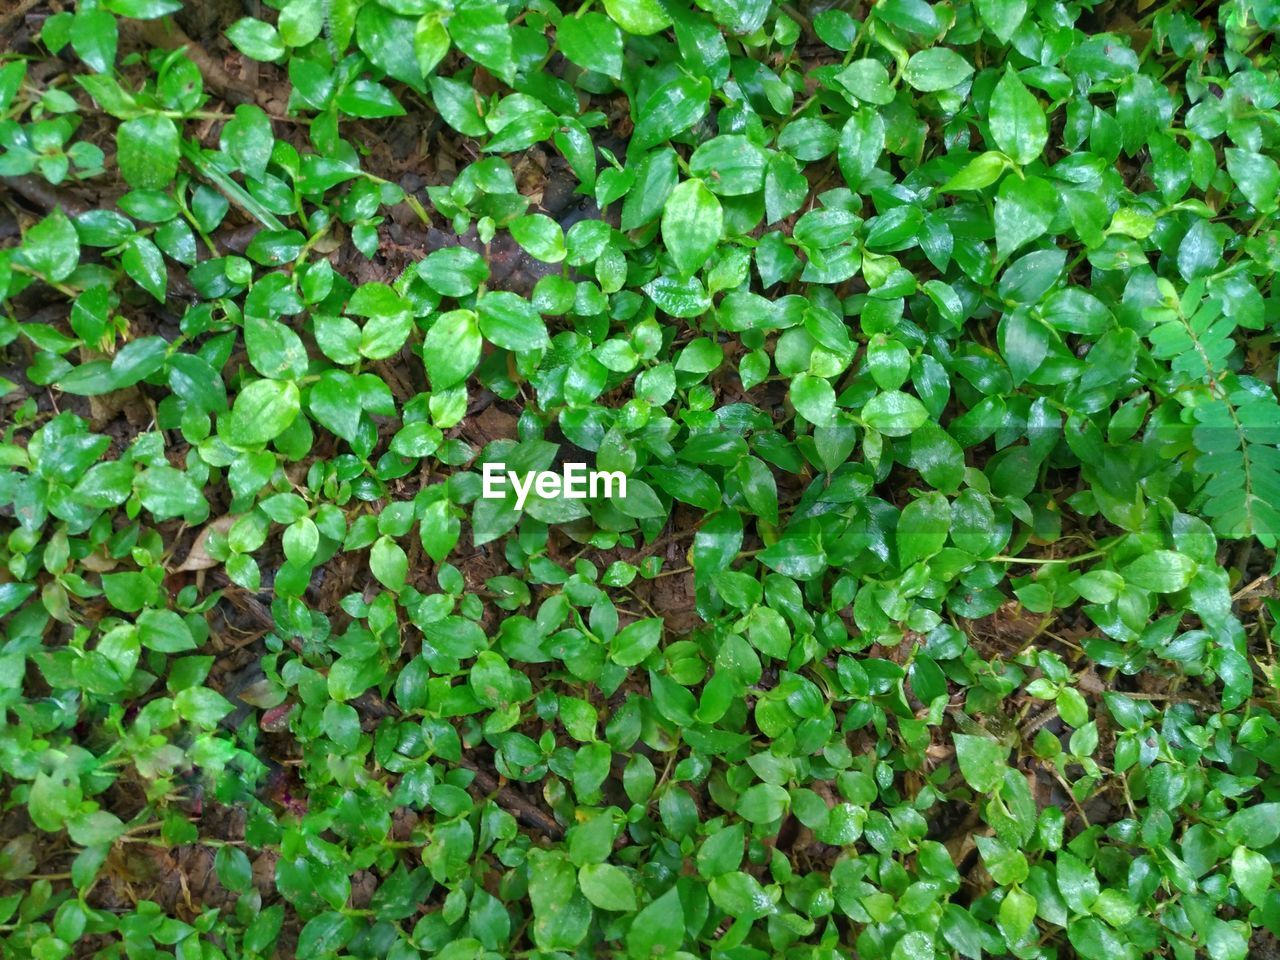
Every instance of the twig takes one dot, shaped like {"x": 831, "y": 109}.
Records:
{"x": 167, "y": 35}
{"x": 1251, "y": 586}
{"x": 671, "y": 573}
{"x": 653, "y": 548}
{"x": 644, "y": 603}
{"x": 16, "y": 14}
{"x": 38, "y": 192}
{"x": 520, "y": 808}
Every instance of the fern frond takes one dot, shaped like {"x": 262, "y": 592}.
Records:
{"x": 1197, "y": 345}
{"x": 1235, "y": 435}
{"x": 1236, "y": 429}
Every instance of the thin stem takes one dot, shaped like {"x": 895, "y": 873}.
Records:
{"x": 60, "y": 287}
{"x": 1036, "y": 561}
{"x": 229, "y": 188}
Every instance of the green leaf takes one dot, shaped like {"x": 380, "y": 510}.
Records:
{"x": 456, "y": 102}
{"x": 453, "y": 271}
{"x": 274, "y": 349}
{"x": 129, "y": 591}
{"x": 388, "y": 42}
{"x": 738, "y": 17}
{"x": 167, "y": 492}
{"x": 763, "y": 803}
{"x": 1002, "y": 17}
{"x": 923, "y": 528}
{"x": 143, "y": 9}
{"x": 1251, "y": 872}
{"x": 916, "y": 945}
{"x": 1024, "y": 210}
{"x": 691, "y": 224}
{"x": 201, "y": 706}
{"x": 96, "y": 829}
{"x": 480, "y": 30}
{"x": 94, "y": 37}
{"x": 54, "y": 795}
{"x": 785, "y": 188}
{"x": 430, "y": 43}
{"x": 1077, "y": 882}
{"x": 894, "y": 413}
{"x": 1225, "y": 942}
{"x": 1200, "y": 252}
{"x": 509, "y": 321}
{"x": 607, "y": 887}
{"x": 658, "y": 929}
{"x": 52, "y": 248}
{"x": 636, "y": 641}
{"x": 334, "y": 403}
{"x": 1017, "y": 121}
{"x": 1161, "y": 571}
{"x": 721, "y": 852}
{"x": 730, "y": 165}
{"x": 165, "y": 631}
{"x": 655, "y": 178}
{"x": 256, "y": 39}
{"x": 369, "y": 100}
{"x": 540, "y": 236}
{"x": 862, "y": 141}
{"x": 147, "y": 151}
{"x": 325, "y": 934}
{"x": 451, "y": 349}
{"x": 145, "y": 266}
{"x": 262, "y": 411}
{"x": 672, "y": 109}
{"x": 982, "y": 761}
{"x": 593, "y": 42}
{"x": 938, "y": 68}
{"x": 234, "y": 871}
{"x": 982, "y": 171}
{"x": 741, "y": 896}
{"x": 640, "y": 17}
{"x": 389, "y": 563}
{"x": 1257, "y": 176}
{"x": 1017, "y": 913}
{"x": 1256, "y": 826}
{"x": 868, "y": 80}
{"x": 801, "y": 558}
{"x": 813, "y": 398}
{"x": 247, "y": 139}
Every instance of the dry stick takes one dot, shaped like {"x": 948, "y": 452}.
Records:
{"x": 671, "y": 573}
{"x": 1252, "y": 586}
{"x": 661, "y": 542}
{"x": 167, "y": 35}
{"x": 14, "y": 15}
{"x": 527, "y": 813}
{"x": 644, "y": 603}
{"x": 38, "y": 192}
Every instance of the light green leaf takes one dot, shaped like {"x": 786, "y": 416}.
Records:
{"x": 451, "y": 349}
{"x": 593, "y": 42}
{"x": 1161, "y": 571}
{"x": 1017, "y": 120}
{"x": 937, "y": 68}
{"x": 982, "y": 761}
{"x": 262, "y": 411}
{"x": 607, "y": 887}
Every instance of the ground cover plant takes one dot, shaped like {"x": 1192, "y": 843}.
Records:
{"x": 936, "y": 341}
